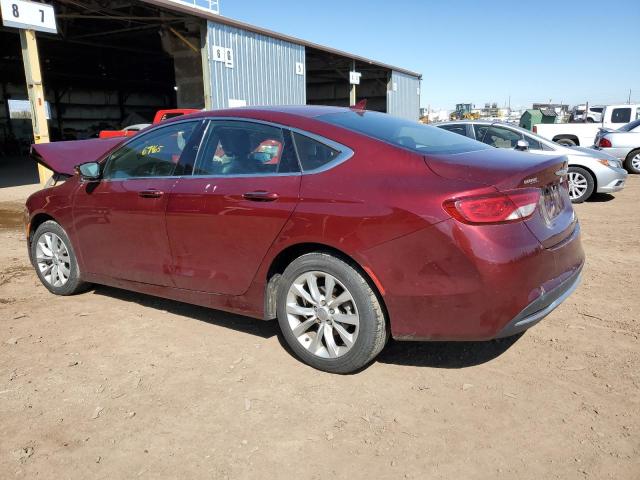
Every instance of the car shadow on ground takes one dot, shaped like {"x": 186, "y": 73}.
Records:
{"x": 447, "y": 355}
{"x": 209, "y": 315}
{"x": 601, "y": 198}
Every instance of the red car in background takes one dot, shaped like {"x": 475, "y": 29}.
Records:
{"x": 160, "y": 116}
{"x": 366, "y": 227}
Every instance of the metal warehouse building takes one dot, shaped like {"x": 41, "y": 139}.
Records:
{"x": 113, "y": 64}
{"x": 248, "y": 65}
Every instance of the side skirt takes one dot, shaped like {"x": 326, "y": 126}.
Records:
{"x": 240, "y": 305}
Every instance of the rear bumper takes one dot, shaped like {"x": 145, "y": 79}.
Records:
{"x": 543, "y": 306}
{"x": 455, "y": 282}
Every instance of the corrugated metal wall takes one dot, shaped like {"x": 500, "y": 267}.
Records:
{"x": 264, "y": 69}
{"x": 403, "y": 96}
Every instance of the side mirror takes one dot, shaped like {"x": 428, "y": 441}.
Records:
{"x": 522, "y": 145}
{"x": 89, "y": 172}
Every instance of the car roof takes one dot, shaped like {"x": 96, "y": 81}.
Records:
{"x": 304, "y": 111}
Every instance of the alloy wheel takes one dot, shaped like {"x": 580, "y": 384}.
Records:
{"x": 635, "y": 162}
{"x": 322, "y": 314}
{"x": 53, "y": 259}
{"x": 578, "y": 185}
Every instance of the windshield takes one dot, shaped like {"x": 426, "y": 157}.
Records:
{"x": 629, "y": 126}
{"x": 403, "y": 133}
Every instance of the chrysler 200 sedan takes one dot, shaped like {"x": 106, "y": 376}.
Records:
{"x": 353, "y": 226}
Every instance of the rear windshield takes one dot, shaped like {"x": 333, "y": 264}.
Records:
{"x": 403, "y": 133}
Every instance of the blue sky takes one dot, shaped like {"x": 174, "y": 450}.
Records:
{"x": 477, "y": 51}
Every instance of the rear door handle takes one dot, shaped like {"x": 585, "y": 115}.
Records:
{"x": 260, "y": 196}
{"x": 151, "y": 193}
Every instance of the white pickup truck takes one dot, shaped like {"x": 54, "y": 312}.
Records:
{"x": 584, "y": 134}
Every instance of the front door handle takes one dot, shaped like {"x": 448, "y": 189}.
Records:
{"x": 260, "y": 196}
{"x": 151, "y": 193}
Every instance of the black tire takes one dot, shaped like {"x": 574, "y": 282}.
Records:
{"x": 74, "y": 283}
{"x": 628, "y": 162}
{"x": 372, "y": 330}
{"x": 567, "y": 142}
{"x": 591, "y": 184}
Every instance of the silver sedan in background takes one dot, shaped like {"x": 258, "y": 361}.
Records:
{"x": 623, "y": 143}
{"x": 590, "y": 170}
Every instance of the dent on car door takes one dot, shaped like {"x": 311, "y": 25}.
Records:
{"x": 120, "y": 220}
{"x": 223, "y": 217}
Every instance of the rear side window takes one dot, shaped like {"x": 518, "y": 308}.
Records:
{"x": 415, "y": 136}
{"x": 313, "y": 154}
{"x": 459, "y": 129}
{"x": 621, "y": 115}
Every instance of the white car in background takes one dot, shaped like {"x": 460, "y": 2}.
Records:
{"x": 623, "y": 143}
{"x": 590, "y": 170}
{"x": 594, "y": 115}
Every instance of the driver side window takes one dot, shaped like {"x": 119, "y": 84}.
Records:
{"x": 153, "y": 154}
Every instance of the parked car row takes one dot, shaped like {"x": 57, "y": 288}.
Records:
{"x": 590, "y": 171}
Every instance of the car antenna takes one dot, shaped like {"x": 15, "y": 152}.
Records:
{"x": 360, "y": 107}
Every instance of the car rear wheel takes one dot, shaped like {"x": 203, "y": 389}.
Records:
{"x": 55, "y": 262}
{"x": 329, "y": 315}
{"x": 632, "y": 162}
{"x": 581, "y": 184}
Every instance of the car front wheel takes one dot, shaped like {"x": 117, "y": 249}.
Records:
{"x": 55, "y": 261}
{"x": 581, "y": 184}
{"x": 329, "y": 315}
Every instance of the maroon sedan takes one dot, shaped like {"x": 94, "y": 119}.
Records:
{"x": 366, "y": 226}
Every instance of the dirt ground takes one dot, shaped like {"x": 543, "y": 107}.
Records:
{"x": 112, "y": 384}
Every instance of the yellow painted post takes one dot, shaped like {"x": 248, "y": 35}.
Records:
{"x": 35, "y": 88}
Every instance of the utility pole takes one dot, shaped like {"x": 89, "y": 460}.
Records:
{"x": 35, "y": 89}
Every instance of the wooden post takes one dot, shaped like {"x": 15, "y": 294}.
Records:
{"x": 206, "y": 71}
{"x": 35, "y": 88}
{"x": 352, "y": 94}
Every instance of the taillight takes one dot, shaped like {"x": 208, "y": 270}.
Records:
{"x": 503, "y": 207}
{"x": 535, "y": 129}
{"x": 604, "y": 143}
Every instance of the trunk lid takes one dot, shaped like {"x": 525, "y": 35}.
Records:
{"x": 553, "y": 220}
{"x": 62, "y": 157}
